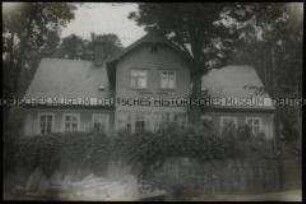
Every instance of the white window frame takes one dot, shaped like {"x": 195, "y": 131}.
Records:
{"x": 168, "y": 79}
{"x": 254, "y": 118}
{"x": 77, "y": 115}
{"x": 136, "y": 86}
{"x": 52, "y": 124}
{"x": 96, "y": 115}
{"x": 222, "y": 118}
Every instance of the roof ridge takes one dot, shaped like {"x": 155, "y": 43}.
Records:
{"x": 63, "y": 59}
{"x": 148, "y": 38}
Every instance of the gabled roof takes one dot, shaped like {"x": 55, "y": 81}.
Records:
{"x": 68, "y": 78}
{"x": 235, "y": 82}
{"x": 151, "y": 37}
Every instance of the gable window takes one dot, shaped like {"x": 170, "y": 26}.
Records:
{"x": 139, "y": 79}
{"x": 168, "y": 79}
{"x": 254, "y": 123}
{"x": 71, "y": 122}
{"x": 140, "y": 124}
{"x": 100, "y": 122}
{"x": 46, "y": 123}
{"x": 228, "y": 121}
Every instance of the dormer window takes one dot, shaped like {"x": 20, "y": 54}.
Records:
{"x": 139, "y": 79}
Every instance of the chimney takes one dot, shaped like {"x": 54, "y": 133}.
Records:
{"x": 99, "y": 52}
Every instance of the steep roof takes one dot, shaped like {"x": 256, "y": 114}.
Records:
{"x": 68, "y": 78}
{"x": 235, "y": 82}
{"x": 150, "y": 37}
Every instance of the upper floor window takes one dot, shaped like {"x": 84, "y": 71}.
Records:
{"x": 46, "y": 123}
{"x": 254, "y": 123}
{"x": 168, "y": 79}
{"x": 139, "y": 79}
{"x": 100, "y": 122}
{"x": 71, "y": 122}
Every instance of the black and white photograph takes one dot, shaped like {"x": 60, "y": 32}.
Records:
{"x": 148, "y": 101}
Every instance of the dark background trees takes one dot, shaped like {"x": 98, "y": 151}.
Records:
{"x": 76, "y": 48}
{"x": 29, "y": 32}
{"x": 265, "y": 35}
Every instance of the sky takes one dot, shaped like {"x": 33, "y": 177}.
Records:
{"x": 102, "y": 18}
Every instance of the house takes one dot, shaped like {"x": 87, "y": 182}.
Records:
{"x": 145, "y": 86}
{"x": 237, "y": 96}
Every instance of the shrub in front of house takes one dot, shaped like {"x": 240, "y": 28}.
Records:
{"x": 69, "y": 153}
{"x": 190, "y": 159}
{"x": 178, "y": 160}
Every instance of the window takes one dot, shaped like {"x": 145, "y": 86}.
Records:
{"x": 168, "y": 117}
{"x": 228, "y": 121}
{"x": 156, "y": 122}
{"x": 139, "y": 124}
{"x": 139, "y": 79}
{"x": 168, "y": 79}
{"x": 206, "y": 120}
{"x": 254, "y": 123}
{"x": 183, "y": 120}
{"x": 100, "y": 122}
{"x": 128, "y": 127}
{"x": 71, "y": 122}
{"x": 46, "y": 123}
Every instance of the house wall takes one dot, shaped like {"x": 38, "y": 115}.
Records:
{"x": 267, "y": 120}
{"x": 164, "y": 58}
{"x": 31, "y": 123}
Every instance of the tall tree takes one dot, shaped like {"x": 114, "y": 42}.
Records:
{"x": 30, "y": 30}
{"x": 106, "y": 45}
{"x": 75, "y": 47}
{"x": 271, "y": 40}
{"x": 71, "y": 47}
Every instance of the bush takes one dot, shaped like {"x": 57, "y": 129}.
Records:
{"x": 191, "y": 149}
{"x": 150, "y": 150}
{"x": 64, "y": 152}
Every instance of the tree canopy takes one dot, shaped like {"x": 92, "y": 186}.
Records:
{"x": 214, "y": 33}
{"x": 30, "y": 31}
{"x": 75, "y": 47}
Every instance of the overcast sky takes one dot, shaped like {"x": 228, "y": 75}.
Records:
{"x": 105, "y": 18}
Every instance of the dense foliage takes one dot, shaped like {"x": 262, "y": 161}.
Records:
{"x": 63, "y": 152}
{"x": 30, "y": 31}
{"x": 172, "y": 158}
{"x": 76, "y": 48}
{"x": 142, "y": 151}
